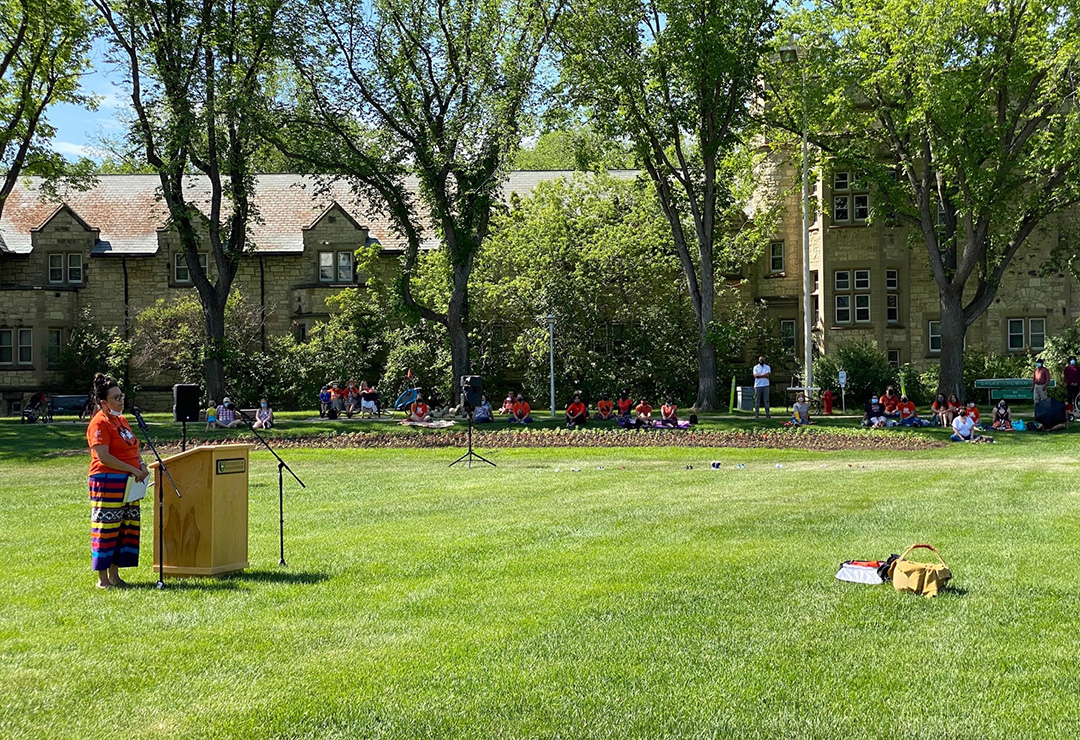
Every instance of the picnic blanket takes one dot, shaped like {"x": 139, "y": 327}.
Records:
{"x": 437, "y": 424}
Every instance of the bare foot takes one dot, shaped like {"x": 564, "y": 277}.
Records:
{"x": 104, "y": 584}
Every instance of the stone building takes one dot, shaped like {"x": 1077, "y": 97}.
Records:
{"x": 110, "y": 250}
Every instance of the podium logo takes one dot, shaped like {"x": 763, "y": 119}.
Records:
{"x": 231, "y": 465}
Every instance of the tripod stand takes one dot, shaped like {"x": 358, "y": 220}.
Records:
{"x": 281, "y": 468}
{"x": 469, "y": 455}
{"x": 160, "y": 496}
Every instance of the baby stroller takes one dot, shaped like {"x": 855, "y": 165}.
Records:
{"x": 37, "y": 408}
{"x": 434, "y": 400}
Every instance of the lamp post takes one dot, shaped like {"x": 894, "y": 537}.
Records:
{"x": 551, "y": 358}
{"x": 790, "y": 55}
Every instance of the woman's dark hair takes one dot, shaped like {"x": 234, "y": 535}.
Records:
{"x": 102, "y": 385}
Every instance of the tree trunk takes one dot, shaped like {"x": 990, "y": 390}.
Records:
{"x": 707, "y": 391}
{"x": 457, "y": 327}
{"x": 214, "y": 362}
{"x": 953, "y": 331}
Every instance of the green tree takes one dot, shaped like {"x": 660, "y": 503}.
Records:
{"x": 419, "y": 105}
{"x": 578, "y": 148}
{"x": 963, "y": 115}
{"x": 44, "y": 50}
{"x": 675, "y": 78}
{"x": 593, "y": 250}
{"x": 197, "y": 71}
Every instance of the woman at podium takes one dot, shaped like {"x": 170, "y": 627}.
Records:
{"x": 114, "y": 458}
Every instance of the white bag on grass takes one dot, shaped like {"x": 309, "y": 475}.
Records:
{"x": 860, "y": 571}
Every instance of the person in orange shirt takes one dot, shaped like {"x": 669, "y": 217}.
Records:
{"x": 943, "y": 410}
{"x": 909, "y": 417}
{"x": 891, "y": 402}
{"x": 337, "y": 398}
{"x": 605, "y": 408}
{"x": 508, "y": 404}
{"x": 114, "y": 457}
{"x": 577, "y": 412}
{"x": 972, "y": 412}
{"x": 625, "y": 404}
{"x": 643, "y": 413}
{"x": 669, "y": 413}
{"x": 418, "y": 411}
{"x": 521, "y": 412}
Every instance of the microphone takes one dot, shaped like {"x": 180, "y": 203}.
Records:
{"x": 138, "y": 418}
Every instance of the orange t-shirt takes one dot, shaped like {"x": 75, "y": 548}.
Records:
{"x": 604, "y": 407}
{"x": 973, "y": 414}
{"x": 419, "y": 409}
{"x": 668, "y": 412}
{"x": 907, "y": 410}
{"x": 644, "y": 408}
{"x": 114, "y": 432}
{"x": 625, "y": 404}
{"x": 521, "y": 410}
{"x": 575, "y": 409}
{"x": 890, "y": 403}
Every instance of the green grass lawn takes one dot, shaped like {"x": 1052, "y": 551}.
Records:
{"x": 643, "y": 600}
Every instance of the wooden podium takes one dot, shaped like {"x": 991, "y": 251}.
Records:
{"x": 206, "y": 531}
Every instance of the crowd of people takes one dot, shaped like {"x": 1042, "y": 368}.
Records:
{"x": 337, "y": 399}
{"x": 623, "y": 411}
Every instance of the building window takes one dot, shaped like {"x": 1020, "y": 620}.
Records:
{"x": 66, "y": 267}
{"x": 862, "y": 207}
{"x": 843, "y": 309}
{"x": 817, "y": 317}
{"x": 335, "y": 267}
{"x": 776, "y": 257}
{"x": 787, "y": 335}
{"x": 26, "y": 346}
{"x": 74, "y": 268}
{"x": 1037, "y": 334}
{"x": 55, "y": 346}
{"x": 1016, "y": 335}
{"x": 933, "y": 336}
{"x": 862, "y": 280}
{"x": 841, "y": 208}
{"x": 851, "y": 201}
{"x": 813, "y": 281}
{"x": 842, "y": 280}
{"x": 892, "y": 280}
{"x": 6, "y": 348}
{"x": 181, "y": 273}
{"x": 344, "y": 267}
{"x": 862, "y": 309}
{"x": 841, "y": 180}
{"x": 894, "y": 357}
{"x": 892, "y": 308}
{"x": 56, "y": 268}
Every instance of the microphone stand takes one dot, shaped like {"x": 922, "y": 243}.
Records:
{"x": 160, "y": 495}
{"x": 281, "y": 482}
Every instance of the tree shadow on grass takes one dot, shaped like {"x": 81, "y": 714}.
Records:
{"x": 234, "y": 581}
{"x": 301, "y": 578}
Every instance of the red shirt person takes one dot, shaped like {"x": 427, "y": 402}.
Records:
{"x": 576, "y": 412}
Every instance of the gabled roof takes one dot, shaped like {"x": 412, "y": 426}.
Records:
{"x": 127, "y": 211}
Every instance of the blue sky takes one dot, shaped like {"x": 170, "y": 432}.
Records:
{"x": 78, "y": 129}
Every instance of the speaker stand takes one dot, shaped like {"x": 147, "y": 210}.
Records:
{"x": 470, "y": 455}
{"x": 183, "y": 438}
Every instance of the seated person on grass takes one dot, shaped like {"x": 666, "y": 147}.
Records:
{"x": 943, "y": 413}
{"x": 226, "y": 415}
{"x": 352, "y": 398}
{"x": 643, "y": 414}
{"x": 973, "y": 413}
{"x": 324, "y": 400}
{"x": 576, "y": 412}
{"x": 483, "y": 413}
{"x": 954, "y": 404}
{"x": 669, "y": 413}
{"x": 800, "y": 412}
{"x": 891, "y": 402}
{"x": 418, "y": 411}
{"x": 909, "y": 417}
{"x": 1002, "y": 416}
{"x": 625, "y": 405}
{"x": 605, "y": 408}
{"x": 211, "y": 416}
{"x": 264, "y": 416}
{"x": 964, "y": 429}
{"x": 508, "y": 404}
{"x": 337, "y": 398}
{"x": 520, "y": 412}
{"x": 874, "y": 414}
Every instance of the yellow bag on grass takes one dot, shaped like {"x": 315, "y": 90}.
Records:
{"x": 923, "y": 579}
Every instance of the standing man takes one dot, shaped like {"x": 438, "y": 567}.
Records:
{"x": 762, "y": 373}
{"x": 1039, "y": 381}
{"x": 1072, "y": 381}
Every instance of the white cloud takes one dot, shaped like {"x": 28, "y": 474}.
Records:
{"x": 70, "y": 149}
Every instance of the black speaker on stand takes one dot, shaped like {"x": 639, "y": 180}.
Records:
{"x": 472, "y": 395}
{"x": 187, "y": 398}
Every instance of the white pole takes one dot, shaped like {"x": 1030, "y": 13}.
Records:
{"x": 551, "y": 357}
{"x": 808, "y": 311}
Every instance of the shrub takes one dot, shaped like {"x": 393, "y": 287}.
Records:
{"x": 915, "y": 384}
{"x": 868, "y": 370}
{"x": 91, "y": 349}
